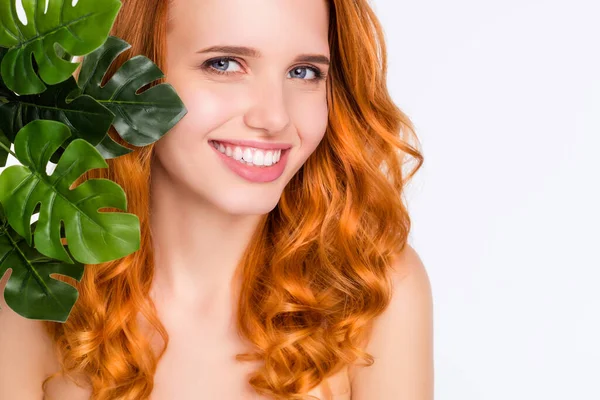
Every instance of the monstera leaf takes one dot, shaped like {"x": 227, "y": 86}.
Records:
{"x": 93, "y": 237}
{"x": 140, "y": 119}
{"x": 111, "y": 149}
{"x": 86, "y": 118}
{"x": 30, "y": 291}
{"x": 78, "y": 30}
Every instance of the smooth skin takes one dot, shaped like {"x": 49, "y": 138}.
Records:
{"x": 203, "y": 214}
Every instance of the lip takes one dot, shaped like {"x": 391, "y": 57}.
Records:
{"x": 255, "y": 144}
{"x": 253, "y": 173}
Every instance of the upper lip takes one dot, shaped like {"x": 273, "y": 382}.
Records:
{"x": 258, "y": 145}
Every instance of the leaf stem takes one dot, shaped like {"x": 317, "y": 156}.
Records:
{"x": 8, "y": 149}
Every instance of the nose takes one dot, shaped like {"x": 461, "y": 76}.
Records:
{"x": 268, "y": 110}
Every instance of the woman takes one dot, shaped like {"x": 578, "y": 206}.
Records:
{"x": 271, "y": 268}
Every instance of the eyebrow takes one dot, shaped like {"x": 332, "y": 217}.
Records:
{"x": 252, "y": 52}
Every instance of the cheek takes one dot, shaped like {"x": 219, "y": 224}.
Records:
{"x": 310, "y": 116}
{"x": 208, "y": 109}
{"x": 181, "y": 149}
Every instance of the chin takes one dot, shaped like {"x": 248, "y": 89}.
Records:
{"x": 239, "y": 205}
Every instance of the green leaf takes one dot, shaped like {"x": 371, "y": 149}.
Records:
{"x": 86, "y": 118}
{"x": 93, "y": 237}
{"x": 140, "y": 119}
{"x": 111, "y": 149}
{"x": 30, "y": 291}
{"x": 49, "y": 35}
{"x": 63, "y": 102}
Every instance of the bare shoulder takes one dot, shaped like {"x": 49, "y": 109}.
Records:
{"x": 401, "y": 339}
{"x": 408, "y": 265}
{"x": 26, "y": 355}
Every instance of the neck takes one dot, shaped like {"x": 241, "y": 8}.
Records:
{"x": 197, "y": 247}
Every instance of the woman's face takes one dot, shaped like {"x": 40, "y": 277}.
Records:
{"x": 272, "y": 97}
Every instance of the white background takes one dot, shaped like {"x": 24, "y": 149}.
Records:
{"x": 505, "y": 96}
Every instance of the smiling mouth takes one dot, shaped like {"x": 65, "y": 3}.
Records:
{"x": 251, "y": 172}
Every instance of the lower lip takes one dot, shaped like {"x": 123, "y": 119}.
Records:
{"x": 253, "y": 173}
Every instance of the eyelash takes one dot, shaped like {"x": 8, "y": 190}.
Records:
{"x": 319, "y": 75}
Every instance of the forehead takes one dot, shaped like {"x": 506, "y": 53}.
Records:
{"x": 266, "y": 24}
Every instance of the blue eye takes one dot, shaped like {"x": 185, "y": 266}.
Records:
{"x": 220, "y": 66}
{"x": 221, "y": 62}
{"x": 313, "y": 70}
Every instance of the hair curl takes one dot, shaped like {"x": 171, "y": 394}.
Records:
{"x": 317, "y": 270}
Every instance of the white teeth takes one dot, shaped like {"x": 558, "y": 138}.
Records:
{"x": 249, "y": 155}
{"x": 237, "y": 153}
{"x": 259, "y": 157}
{"x": 269, "y": 158}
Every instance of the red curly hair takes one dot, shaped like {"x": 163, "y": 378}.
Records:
{"x": 317, "y": 270}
